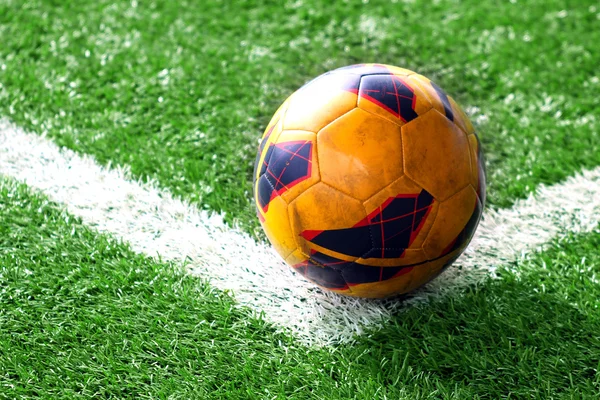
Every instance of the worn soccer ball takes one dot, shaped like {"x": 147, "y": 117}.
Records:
{"x": 369, "y": 180}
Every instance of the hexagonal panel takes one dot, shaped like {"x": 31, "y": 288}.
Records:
{"x": 276, "y": 224}
{"x": 436, "y": 155}
{"x": 363, "y": 69}
{"x": 400, "y": 71}
{"x": 474, "y": 150}
{"x": 296, "y": 257}
{"x": 360, "y": 153}
{"x": 478, "y": 178}
{"x": 270, "y": 135}
{"x": 453, "y": 216}
{"x": 460, "y": 117}
{"x": 277, "y": 117}
{"x": 391, "y": 97}
{"x": 409, "y": 257}
{"x": 393, "y": 286}
{"x": 423, "y": 273}
{"x": 321, "y": 209}
{"x": 321, "y": 101}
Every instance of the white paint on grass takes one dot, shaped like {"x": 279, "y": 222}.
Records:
{"x": 157, "y": 224}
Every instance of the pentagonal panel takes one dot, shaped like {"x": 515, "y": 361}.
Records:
{"x": 321, "y": 101}
{"x": 395, "y": 223}
{"x": 478, "y": 178}
{"x": 276, "y": 224}
{"x": 287, "y": 168}
{"x": 436, "y": 155}
{"x": 325, "y": 271}
{"x": 459, "y": 212}
{"x": 407, "y": 213}
{"x": 293, "y": 166}
{"x": 360, "y": 153}
{"x": 315, "y": 271}
{"x": 391, "y": 97}
{"x": 345, "y": 276}
{"x": 437, "y": 97}
{"x": 406, "y": 280}
{"x": 325, "y": 220}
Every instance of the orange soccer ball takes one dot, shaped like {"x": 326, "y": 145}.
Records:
{"x": 369, "y": 180}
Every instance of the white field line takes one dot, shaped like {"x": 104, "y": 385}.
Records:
{"x": 155, "y": 223}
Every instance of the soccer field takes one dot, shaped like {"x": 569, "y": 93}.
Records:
{"x": 121, "y": 273}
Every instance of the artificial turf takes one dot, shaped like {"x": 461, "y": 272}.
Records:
{"x": 180, "y": 90}
{"x": 84, "y": 316}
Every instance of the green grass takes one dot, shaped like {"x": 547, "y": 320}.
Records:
{"x": 180, "y": 90}
{"x": 82, "y": 315}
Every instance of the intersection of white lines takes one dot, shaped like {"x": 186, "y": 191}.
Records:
{"x": 157, "y": 224}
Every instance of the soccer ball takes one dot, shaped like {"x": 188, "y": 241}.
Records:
{"x": 369, "y": 180}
